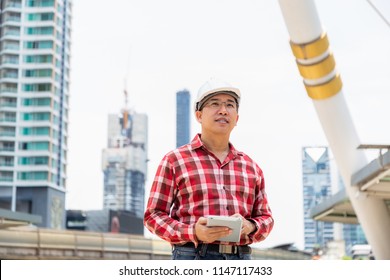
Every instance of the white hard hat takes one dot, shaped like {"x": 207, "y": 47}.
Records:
{"x": 213, "y": 87}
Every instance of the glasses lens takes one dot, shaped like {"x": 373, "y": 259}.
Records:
{"x": 214, "y": 104}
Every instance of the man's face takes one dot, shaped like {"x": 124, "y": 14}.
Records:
{"x": 219, "y": 114}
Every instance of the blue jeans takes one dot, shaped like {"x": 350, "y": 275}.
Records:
{"x": 201, "y": 253}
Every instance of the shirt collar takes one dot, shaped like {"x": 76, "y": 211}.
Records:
{"x": 197, "y": 143}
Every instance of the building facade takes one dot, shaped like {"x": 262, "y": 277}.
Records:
{"x": 124, "y": 163}
{"x": 320, "y": 181}
{"x": 183, "y": 100}
{"x": 316, "y": 188}
{"x": 34, "y": 103}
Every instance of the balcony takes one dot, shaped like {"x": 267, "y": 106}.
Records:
{"x": 7, "y": 119}
{"x": 8, "y": 88}
{"x": 12, "y": 4}
{"x": 8, "y": 104}
{"x": 6, "y": 176}
{"x": 6, "y": 150}
{"x": 7, "y": 133}
{"x": 12, "y": 18}
{"x": 10, "y": 61}
{"x": 6, "y": 179}
{"x": 9, "y": 74}
{"x": 6, "y": 164}
{"x": 10, "y": 47}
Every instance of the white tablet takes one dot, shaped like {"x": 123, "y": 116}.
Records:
{"x": 234, "y": 223}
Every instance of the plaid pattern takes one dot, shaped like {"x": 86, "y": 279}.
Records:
{"x": 191, "y": 182}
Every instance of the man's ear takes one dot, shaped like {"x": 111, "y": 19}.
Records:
{"x": 198, "y": 115}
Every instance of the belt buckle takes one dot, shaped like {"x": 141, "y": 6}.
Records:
{"x": 227, "y": 249}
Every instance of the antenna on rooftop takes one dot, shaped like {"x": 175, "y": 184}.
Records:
{"x": 125, "y": 94}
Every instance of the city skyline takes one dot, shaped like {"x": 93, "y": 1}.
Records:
{"x": 245, "y": 44}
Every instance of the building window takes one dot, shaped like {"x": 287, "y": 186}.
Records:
{"x": 38, "y": 45}
{"x": 37, "y": 87}
{"x": 40, "y": 3}
{"x": 35, "y": 131}
{"x": 37, "y": 73}
{"x": 33, "y": 176}
{"x": 42, "y": 116}
{"x": 10, "y": 59}
{"x": 7, "y": 131}
{"x": 33, "y": 160}
{"x": 34, "y": 146}
{"x": 38, "y": 59}
{"x": 6, "y": 176}
{"x": 40, "y": 16}
{"x": 36, "y": 102}
{"x": 43, "y": 30}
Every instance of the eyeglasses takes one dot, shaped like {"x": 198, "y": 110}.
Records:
{"x": 216, "y": 105}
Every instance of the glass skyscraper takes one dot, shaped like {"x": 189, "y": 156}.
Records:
{"x": 183, "y": 99}
{"x": 316, "y": 187}
{"x": 34, "y": 102}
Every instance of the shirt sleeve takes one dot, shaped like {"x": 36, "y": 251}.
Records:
{"x": 261, "y": 214}
{"x": 157, "y": 215}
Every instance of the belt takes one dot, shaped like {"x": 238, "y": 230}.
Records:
{"x": 223, "y": 249}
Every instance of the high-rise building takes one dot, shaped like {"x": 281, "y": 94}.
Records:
{"x": 125, "y": 163}
{"x": 316, "y": 187}
{"x": 183, "y": 99}
{"x": 34, "y": 102}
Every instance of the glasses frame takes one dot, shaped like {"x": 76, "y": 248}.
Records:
{"x": 217, "y": 105}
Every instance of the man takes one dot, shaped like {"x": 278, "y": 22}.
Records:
{"x": 209, "y": 177}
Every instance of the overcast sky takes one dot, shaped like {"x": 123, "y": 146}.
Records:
{"x": 155, "y": 48}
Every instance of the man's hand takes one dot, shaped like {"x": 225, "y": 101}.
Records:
{"x": 247, "y": 226}
{"x": 209, "y": 234}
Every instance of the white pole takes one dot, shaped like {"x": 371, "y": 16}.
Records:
{"x": 323, "y": 84}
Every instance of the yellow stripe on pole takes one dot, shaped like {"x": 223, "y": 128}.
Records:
{"x": 325, "y": 90}
{"x": 311, "y": 49}
{"x": 319, "y": 69}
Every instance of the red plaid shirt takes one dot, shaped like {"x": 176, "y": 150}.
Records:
{"x": 191, "y": 182}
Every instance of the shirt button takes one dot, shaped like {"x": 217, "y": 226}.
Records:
{"x": 227, "y": 207}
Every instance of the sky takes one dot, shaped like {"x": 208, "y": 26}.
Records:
{"x": 155, "y": 48}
